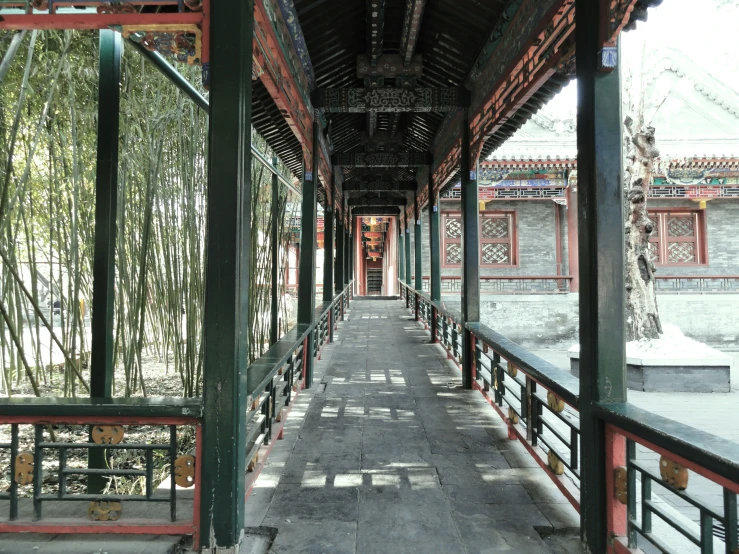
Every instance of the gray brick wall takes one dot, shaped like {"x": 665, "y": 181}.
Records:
{"x": 551, "y": 321}
{"x": 536, "y": 238}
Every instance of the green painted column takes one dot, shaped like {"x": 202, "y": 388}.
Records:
{"x": 408, "y": 267}
{"x": 417, "y": 244}
{"x": 308, "y": 225}
{"x": 275, "y": 247}
{"x": 601, "y": 260}
{"x": 401, "y": 253}
{"x": 340, "y": 255}
{"x": 470, "y": 249}
{"x": 328, "y": 254}
{"x": 106, "y": 206}
{"x": 347, "y": 257}
{"x": 226, "y": 322}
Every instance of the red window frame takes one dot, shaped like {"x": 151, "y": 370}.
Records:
{"x": 511, "y": 239}
{"x": 665, "y": 237}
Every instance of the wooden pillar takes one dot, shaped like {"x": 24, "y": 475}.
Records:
{"x": 470, "y": 250}
{"x": 226, "y": 325}
{"x": 328, "y": 253}
{"x": 347, "y": 256}
{"x": 106, "y": 206}
{"x": 340, "y": 255}
{"x": 275, "y": 246}
{"x": 401, "y": 252}
{"x": 408, "y": 269}
{"x": 417, "y": 246}
{"x": 601, "y": 256}
{"x": 434, "y": 254}
{"x": 573, "y": 264}
{"x": 308, "y": 226}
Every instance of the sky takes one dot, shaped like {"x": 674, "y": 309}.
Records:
{"x": 707, "y": 31}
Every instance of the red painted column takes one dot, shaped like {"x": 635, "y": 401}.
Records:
{"x": 615, "y": 510}
{"x": 572, "y": 244}
{"x": 391, "y": 277}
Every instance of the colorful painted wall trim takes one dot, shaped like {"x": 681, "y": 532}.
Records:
{"x": 529, "y": 52}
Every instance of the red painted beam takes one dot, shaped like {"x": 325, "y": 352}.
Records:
{"x": 116, "y": 528}
{"x": 95, "y": 21}
{"x": 282, "y": 84}
{"x": 549, "y": 44}
{"x": 98, "y": 420}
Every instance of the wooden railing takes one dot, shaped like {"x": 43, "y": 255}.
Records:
{"x": 554, "y": 284}
{"x": 139, "y": 440}
{"x": 499, "y": 284}
{"x": 540, "y": 405}
{"x": 697, "y": 283}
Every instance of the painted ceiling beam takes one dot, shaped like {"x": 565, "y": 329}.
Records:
{"x": 389, "y": 66}
{"x": 375, "y": 28}
{"x": 360, "y": 100}
{"x": 411, "y": 28}
{"x": 530, "y": 42}
{"x": 380, "y": 186}
{"x": 376, "y": 210}
{"x": 382, "y": 159}
{"x": 375, "y": 201}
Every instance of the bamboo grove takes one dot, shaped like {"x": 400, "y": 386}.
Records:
{"x": 48, "y": 126}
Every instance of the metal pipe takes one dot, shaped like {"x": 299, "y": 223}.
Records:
{"x": 166, "y": 69}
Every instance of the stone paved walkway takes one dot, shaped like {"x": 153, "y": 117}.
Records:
{"x": 386, "y": 453}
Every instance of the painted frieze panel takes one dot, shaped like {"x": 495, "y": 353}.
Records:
{"x": 382, "y": 159}
{"x": 360, "y": 100}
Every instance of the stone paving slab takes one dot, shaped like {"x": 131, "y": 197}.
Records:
{"x": 387, "y": 453}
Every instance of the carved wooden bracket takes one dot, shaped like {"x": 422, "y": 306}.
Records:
{"x": 107, "y": 434}
{"x": 184, "y": 471}
{"x": 621, "y": 484}
{"x": 555, "y": 463}
{"x": 673, "y": 473}
{"x": 102, "y": 510}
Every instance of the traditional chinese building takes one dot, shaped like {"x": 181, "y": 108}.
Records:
{"x": 528, "y": 239}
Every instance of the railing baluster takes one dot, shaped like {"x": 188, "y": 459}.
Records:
{"x": 630, "y": 494}
{"x": 730, "y": 515}
{"x": 13, "y": 484}
{"x": 706, "y": 533}
{"x": 172, "y": 477}
{"x": 646, "y": 496}
{"x": 529, "y": 408}
{"x": 62, "y": 474}
{"x": 38, "y": 471}
{"x": 149, "y": 473}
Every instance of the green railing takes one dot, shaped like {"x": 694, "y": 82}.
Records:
{"x": 279, "y": 375}
{"x": 67, "y": 459}
{"x": 540, "y": 405}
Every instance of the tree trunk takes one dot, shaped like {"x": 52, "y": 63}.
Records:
{"x": 642, "y": 315}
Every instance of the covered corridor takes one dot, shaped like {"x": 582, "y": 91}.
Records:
{"x": 388, "y": 453}
{"x": 363, "y": 425}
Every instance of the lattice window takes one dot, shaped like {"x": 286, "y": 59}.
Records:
{"x": 678, "y": 238}
{"x": 497, "y": 239}
{"x": 497, "y": 247}
{"x": 495, "y": 254}
{"x": 452, "y": 240}
{"x": 494, "y": 227}
{"x": 453, "y": 227}
{"x": 453, "y": 254}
